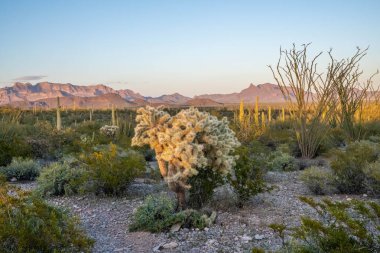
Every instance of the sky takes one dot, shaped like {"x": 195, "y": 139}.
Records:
{"x": 165, "y": 46}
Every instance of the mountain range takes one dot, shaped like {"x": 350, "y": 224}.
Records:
{"x": 44, "y": 94}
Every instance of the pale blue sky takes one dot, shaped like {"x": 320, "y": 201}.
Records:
{"x": 192, "y": 47}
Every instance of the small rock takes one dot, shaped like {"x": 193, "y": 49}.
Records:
{"x": 170, "y": 245}
{"x": 246, "y": 238}
{"x": 175, "y": 227}
{"x": 365, "y": 195}
{"x": 13, "y": 179}
{"x": 259, "y": 237}
{"x": 206, "y": 229}
{"x": 210, "y": 242}
{"x": 157, "y": 248}
{"x": 119, "y": 250}
{"x": 349, "y": 199}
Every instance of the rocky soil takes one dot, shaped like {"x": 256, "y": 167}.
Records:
{"x": 235, "y": 230}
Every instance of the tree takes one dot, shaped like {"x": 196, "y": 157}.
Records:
{"x": 183, "y": 143}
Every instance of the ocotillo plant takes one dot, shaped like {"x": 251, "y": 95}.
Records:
{"x": 59, "y": 121}
{"x": 308, "y": 93}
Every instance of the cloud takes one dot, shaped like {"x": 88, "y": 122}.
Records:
{"x": 29, "y": 78}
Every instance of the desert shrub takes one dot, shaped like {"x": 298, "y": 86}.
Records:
{"x": 348, "y": 165}
{"x": 110, "y": 170}
{"x": 21, "y": 169}
{"x": 61, "y": 178}
{"x": 248, "y": 173}
{"x": 280, "y": 132}
{"x": 283, "y": 162}
{"x": 12, "y": 143}
{"x": 374, "y": 138}
{"x": 202, "y": 187}
{"x": 319, "y": 180}
{"x": 304, "y": 163}
{"x": 334, "y": 138}
{"x": 372, "y": 177}
{"x": 28, "y": 224}
{"x": 158, "y": 214}
{"x": 340, "y": 227}
{"x": 371, "y": 128}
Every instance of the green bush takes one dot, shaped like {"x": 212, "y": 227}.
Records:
{"x": 12, "y": 142}
{"x": 110, "y": 170}
{"x": 249, "y": 171}
{"x": 350, "y": 227}
{"x": 28, "y": 224}
{"x": 61, "y": 178}
{"x": 202, "y": 187}
{"x": 158, "y": 214}
{"x": 283, "y": 162}
{"x": 21, "y": 169}
{"x": 348, "y": 165}
{"x": 319, "y": 180}
{"x": 372, "y": 177}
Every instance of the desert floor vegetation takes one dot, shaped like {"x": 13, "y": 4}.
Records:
{"x": 298, "y": 177}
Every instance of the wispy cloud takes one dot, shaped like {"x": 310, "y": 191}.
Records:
{"x": 29, "y": 78}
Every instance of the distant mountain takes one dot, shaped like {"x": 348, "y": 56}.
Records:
{"x": 267, "y": 93}
{"x": 44, "y": 94}
{"x": 175, "y": 98}
{"x": 202, "y": 102}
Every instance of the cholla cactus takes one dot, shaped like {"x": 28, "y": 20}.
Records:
{"x": 184, "y": 142}
{"x": 110, "y": 131}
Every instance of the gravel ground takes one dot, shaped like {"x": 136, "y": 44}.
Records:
{"x": 235, "y": 230}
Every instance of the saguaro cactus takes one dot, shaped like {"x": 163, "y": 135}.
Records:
{"x": 184, "y": 143}
{"x": 113, "y": 115}
{"x": 257, "y": 111}
{"x": 241, "y": 111}
{"x": 59, "y": 121}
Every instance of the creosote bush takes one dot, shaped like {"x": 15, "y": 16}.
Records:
{"x": 319, "y": 180}
{"x": 348, "y": 166}
{"x": 158, "y": 214}
{"x": 249, "y": 171}
{"x": 283, "y": 162}
{"x": 28, "y": 224}
{"x": 110, "y": 170}
{"x": 372, "y": 178}
{"x": 21, "y": 169}
{"x": 202, "y": 187}
{"x": 350, "y": 227}
{"x": 62, "y": 178}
